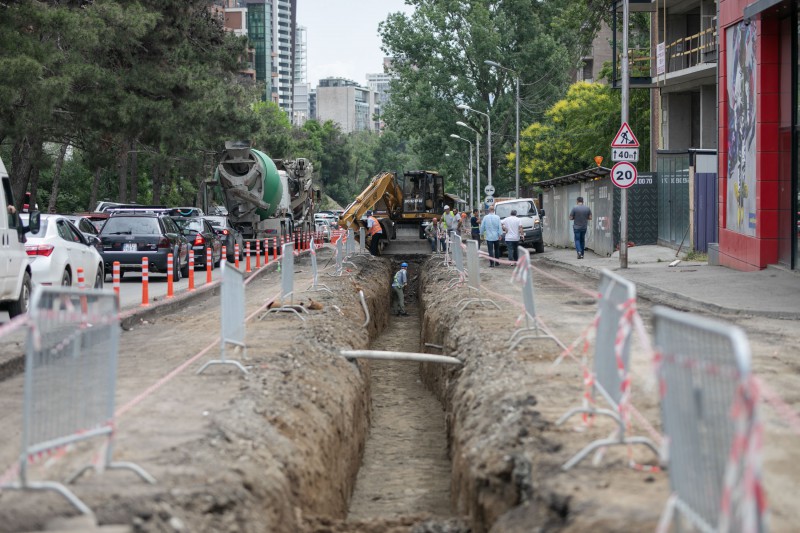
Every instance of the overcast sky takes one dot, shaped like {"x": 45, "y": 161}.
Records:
{"x": 343, "y": 36}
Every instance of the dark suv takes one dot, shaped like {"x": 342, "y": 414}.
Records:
{"x": 129, "y": 237}
{"x": 201, "y": 237}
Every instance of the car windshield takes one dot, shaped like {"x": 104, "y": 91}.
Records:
{"x": 522, "y": 207}
{"x": 189, "y": 225}
{"x": 131, "y": 226}
{"x": 42, "y": 225}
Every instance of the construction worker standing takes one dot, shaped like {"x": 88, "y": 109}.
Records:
{"x": 398, "y": 284}
{"x": 374, "y": 231}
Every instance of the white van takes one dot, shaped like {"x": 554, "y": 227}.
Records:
{"x": 15, "y": 271}
{"x": 530, "y": 217}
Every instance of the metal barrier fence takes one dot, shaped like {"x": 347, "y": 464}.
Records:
{"x": 70, "y": 380}
{"x": 351, "y": 243}
{"x": 339, "y": 253}
{"x": 474, "y": 277}
{"x": 610, "y": 370}
{"x": 523, "y": 275}
{"x": 708, "y": 407}
{"x": 362, "y": 240}
{"x": 315, "y": 273}
{"x": 287, "y": 285}
{"x": 233, "y": 316}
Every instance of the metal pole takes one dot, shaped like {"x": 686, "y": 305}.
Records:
{"x": 489, "y": 142}
{"x": 478, "y": 172}
{"x": 267, "y": 73}
{"x": 626, "y": 81}
{"x": 516, "y": 156}
{"x": 471, "y": 197}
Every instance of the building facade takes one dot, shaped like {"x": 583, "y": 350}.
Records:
{"x": 271, "y": 29}
{"x": 347, "y": 103}
{"x": 758, "y": 90}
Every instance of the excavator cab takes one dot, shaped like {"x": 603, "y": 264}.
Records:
{"x": 423, "y": 192}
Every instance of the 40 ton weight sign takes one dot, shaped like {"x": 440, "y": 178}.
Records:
{"x": 623, "y": 174}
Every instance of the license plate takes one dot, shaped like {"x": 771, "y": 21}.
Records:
{"x": 130, "y": 247}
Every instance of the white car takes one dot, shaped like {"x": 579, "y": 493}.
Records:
{"x": 58, "y": 250}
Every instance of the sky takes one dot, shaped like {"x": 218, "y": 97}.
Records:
{"x": 343, "y": 38}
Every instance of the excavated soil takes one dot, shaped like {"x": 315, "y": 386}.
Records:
{"x": 308, "y": 441}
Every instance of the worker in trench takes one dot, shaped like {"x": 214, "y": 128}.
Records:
{"x": 399, "y": 283}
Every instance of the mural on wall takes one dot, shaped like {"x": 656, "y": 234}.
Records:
{"x": 742, "y": 90}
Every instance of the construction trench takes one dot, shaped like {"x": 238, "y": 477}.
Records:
{"x": 310, "y": 441}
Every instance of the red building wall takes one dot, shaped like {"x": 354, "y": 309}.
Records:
{"x": 736, "y": 250}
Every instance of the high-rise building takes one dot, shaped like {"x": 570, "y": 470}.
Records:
{"x": 379, "y": 82}
{"x": 271, "y": 29}
{"x": 346, "y": 103}
{"x": 300, "y": 104}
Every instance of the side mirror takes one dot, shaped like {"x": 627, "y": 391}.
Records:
{"x": 92, "y": 240}
{"x": 541, "y": 212}
{"x": 34, "y": 222}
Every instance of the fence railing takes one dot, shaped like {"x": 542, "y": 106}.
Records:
{"x": 232, "y": 313}
{"x": 70, "y": 381}
{"x": 708, "y": 406}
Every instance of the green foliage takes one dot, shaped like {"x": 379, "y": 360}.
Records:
{"x": 575, "y": 130}
{"x": 440, "y": 51}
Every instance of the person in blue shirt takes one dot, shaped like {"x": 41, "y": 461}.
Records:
{"x": 399, "y": 282}
{"x": 491, "y": 229}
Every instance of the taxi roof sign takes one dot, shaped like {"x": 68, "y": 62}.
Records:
{"x": 625, "y": 138}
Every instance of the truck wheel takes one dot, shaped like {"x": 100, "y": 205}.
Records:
{"x": 20, "y": 305}
{"x": 539, "y": 247}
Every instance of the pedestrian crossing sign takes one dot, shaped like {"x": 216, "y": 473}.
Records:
{"x": 625, "y": 138}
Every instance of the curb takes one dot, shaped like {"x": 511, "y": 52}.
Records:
{"x": 660, "y": 296}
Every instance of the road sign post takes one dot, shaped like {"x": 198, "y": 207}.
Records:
{"x": 623, "y": 174}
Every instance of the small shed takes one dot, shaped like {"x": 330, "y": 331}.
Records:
{"x": 558, "y": 196}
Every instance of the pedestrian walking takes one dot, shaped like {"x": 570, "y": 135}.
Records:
{"x": 491, "y": 229}
{"x": 398, "y": 284}
{"x": 580, "y": 215}
{"x": 375, "y": 233}
{"x": 475, "y": 227}
{"x": 512, "y": 227}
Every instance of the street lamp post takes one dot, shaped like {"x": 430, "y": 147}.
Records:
{"x": 471, "y": 197}
{"x": 477, "y": 163}
{"x": 516, "y": 153}
{"x": 465, "y": 107}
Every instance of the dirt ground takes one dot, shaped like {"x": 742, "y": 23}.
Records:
{"x": 279, "y": 449}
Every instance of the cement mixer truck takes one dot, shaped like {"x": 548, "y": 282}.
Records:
{"x": 262, "y": 197}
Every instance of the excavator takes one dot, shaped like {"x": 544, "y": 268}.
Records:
{"x": 403, "y": 206}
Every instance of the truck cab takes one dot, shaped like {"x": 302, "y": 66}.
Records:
{"x": 15, "y": 270}
{"x": 530, "y": 216}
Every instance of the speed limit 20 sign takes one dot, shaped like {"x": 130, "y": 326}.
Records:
{"x": 623, "y": 174}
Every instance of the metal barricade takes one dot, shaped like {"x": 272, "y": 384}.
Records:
{"x": 287, "y": 285}
{"x": 524, "y": 275}
{"x": 474, "y": 278}
{"x": 709, "y": 410}
{"x": 351, "y": 243}
{"x": 362, "y": 241}
{"x": 610, "y": 369}
{"x": 70, "y": 381}
{"x": 458, "y": 262}
{"x": 315, "y": 287}
{"x": 233, "y": 316}
{"x": 339, "y": 254}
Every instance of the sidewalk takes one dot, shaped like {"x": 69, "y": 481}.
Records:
{"x": 773, "y": 292}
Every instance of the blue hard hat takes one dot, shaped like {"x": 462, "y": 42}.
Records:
{"x": 403, "y": 265}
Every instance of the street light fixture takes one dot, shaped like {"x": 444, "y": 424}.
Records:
{"x": 516, "y": 77}
{"x": 477, "y": 163}
{"x": 465, "y": 107}
{"x": 471, "y": 196}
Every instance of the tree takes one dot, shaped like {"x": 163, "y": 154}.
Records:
{"x": 575, "y": 130}
{"x": 439, "y": 54}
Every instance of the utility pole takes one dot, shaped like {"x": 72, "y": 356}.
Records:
{"x": 626, "y": 87}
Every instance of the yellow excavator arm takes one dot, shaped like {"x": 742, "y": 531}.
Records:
{"x": 382, "y": 187}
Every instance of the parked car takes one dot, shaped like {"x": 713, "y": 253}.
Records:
{"x": 229, "y": 235}
{"x": 15, "y": 269}
{"x": 201, "y": 237}
{"x": 58, "y": 250}
{"x": 530, "y": 217}
{"x": 88, "y": 229}
{"x": 130, "y": 237}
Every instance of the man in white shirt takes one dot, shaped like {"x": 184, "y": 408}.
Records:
{"x": 512, "y": 226}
